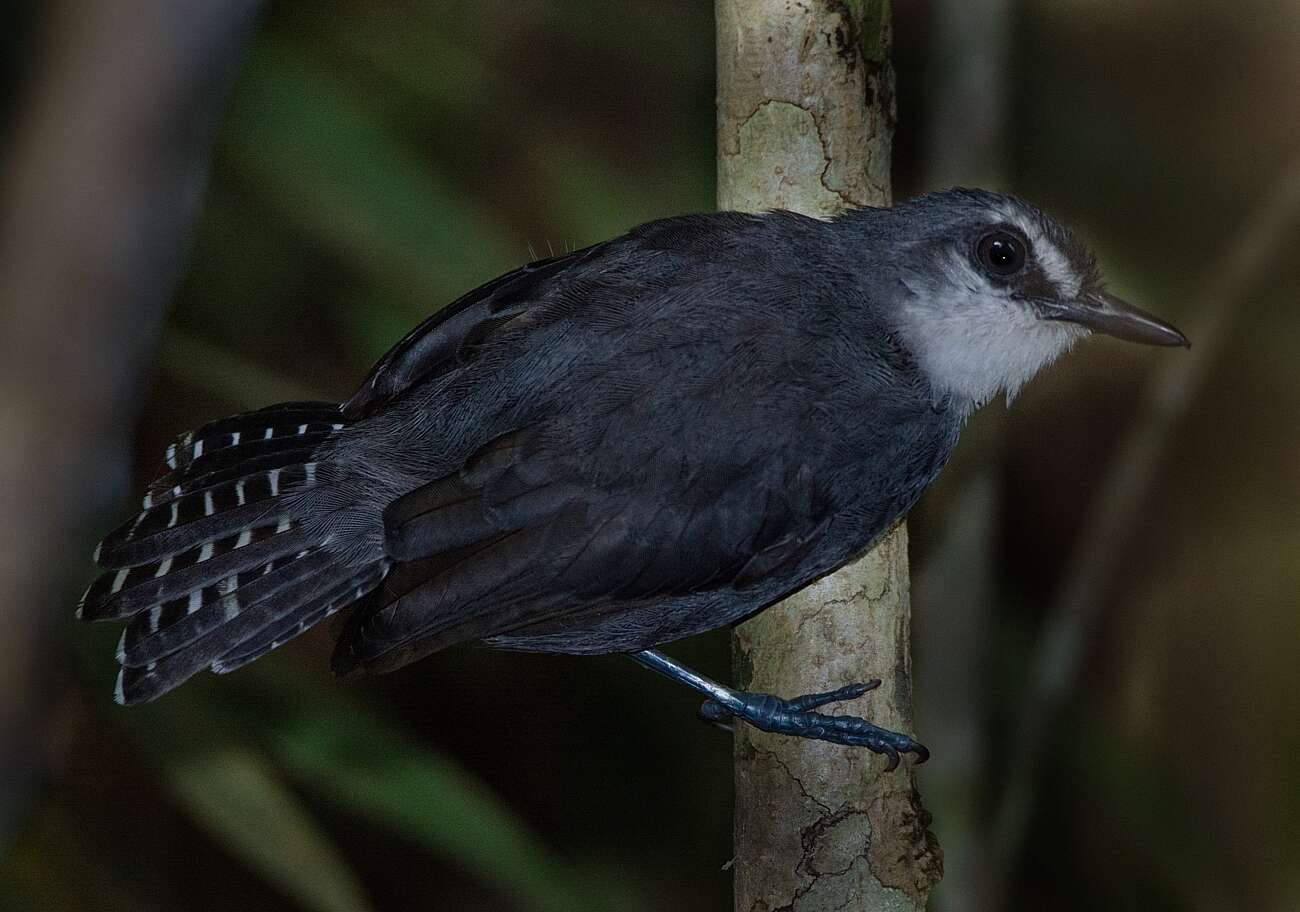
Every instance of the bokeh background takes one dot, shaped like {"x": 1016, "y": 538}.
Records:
{"x": 374, "y": 160}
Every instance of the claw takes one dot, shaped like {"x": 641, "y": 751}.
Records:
{"x": 796, "y": 718}
{"x": 713, "y": 711}
{"x": 791, "y": 717}
{"x": 848, "y": 692}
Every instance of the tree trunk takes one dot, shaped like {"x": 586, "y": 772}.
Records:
{"x": 805, "y": 121}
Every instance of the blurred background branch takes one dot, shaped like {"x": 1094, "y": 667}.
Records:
{"x": 1070, "y": 628}
{"x": 107, "y": 159}
{"x": 967, "y": 113}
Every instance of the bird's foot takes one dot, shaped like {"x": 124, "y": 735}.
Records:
{"x": 795, "y": 717}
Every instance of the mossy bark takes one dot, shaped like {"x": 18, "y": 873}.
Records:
{"x": 805, "y": 122}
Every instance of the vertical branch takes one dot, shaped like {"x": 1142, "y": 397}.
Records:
{"x": 805, "y": 121}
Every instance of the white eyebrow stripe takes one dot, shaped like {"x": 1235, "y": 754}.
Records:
{"x": 1056, "y": 266}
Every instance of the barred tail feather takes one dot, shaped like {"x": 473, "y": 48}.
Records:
{"x": 139, "y": 684}
{"x": 278, "y": 423}
{"x": 203, "y": 514}
{"x": 305, "y": 618}
{"x": 170, "y": 626}
{"x": 219, "y": 567}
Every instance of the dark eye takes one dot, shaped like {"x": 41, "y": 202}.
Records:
{"x": 1001, "y": 253}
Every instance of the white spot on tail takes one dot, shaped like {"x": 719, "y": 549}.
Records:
{"x": 282, "y": 525}
{"x": 206, "y": 552}
{"x": 164, "y": 568}
{"x": 337, "y": 427}
{"x": 176, "y": 513}
{"x": 275, "y": 482}
{"x": 95, "y": 557}
{"x": 244, "y": 538}
{"x": 155, "y": 613}
{"x": 135, "y": 524}
{"x": 234, "y": 438}
{"x": 310, "y": 468}
{"x": 302, "y": 429}
{"x": 208, "y": 506}
{"x": 239, "y": 492}
{"x": 119, "y": 579}
{"x": 119, "y": 693}
{"x": 196, "y": 601}
{"x": 270, "y": 432}
{"x": 170, "y": 458}
{"x": 198, "y": 449}
{"x": 81, "y": 602}
{"x": 148, "y": 501}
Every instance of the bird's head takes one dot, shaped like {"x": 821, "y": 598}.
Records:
{"x": 993, "y": 290}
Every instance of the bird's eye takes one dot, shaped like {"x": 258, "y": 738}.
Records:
{"x": 1001, "y": 253}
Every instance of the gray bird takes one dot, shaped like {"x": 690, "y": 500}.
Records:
{"x": 611, "y": 449}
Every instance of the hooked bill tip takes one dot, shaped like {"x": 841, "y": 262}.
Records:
{"x": 1113, "y": 316}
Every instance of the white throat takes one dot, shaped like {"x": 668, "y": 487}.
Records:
{"x": 974, "y": 342}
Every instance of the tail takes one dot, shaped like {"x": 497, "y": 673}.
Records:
{"x": 222, "y": 565}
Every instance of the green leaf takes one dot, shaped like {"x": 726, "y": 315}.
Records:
{"x": 337, "y": 171}
{"x": 362, "y": 764}
{"x": 235, "y": 795}
{"x": 350, "y": 755}
{"x": 241, "y": 381}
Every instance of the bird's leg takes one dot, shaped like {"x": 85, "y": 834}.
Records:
{"x": 793, "y": 717}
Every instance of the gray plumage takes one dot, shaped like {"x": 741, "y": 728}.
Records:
{"x": 608, "y": 450}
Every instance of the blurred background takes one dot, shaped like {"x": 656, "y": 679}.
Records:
{"x": 1112, "y": 566}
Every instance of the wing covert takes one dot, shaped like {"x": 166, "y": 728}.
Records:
{"x": 444, "y": 339}
{"x": 522, "y": 540}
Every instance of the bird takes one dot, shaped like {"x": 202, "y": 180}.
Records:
{"x": 611, "y": 449}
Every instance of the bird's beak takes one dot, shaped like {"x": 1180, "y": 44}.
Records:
{"x": 1105, "y": 313}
